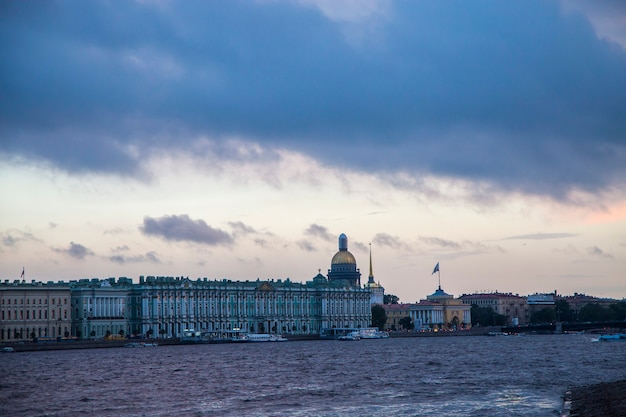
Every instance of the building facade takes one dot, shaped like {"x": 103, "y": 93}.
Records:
{"x": 168, "y": 306}
{"x": 100, "y": 307}
{"x": 513, "y": 306}
{"x": 34, "y": 311}
{"x": 395, "y": 313}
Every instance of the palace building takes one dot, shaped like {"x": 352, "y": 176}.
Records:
{"x": 169, "y": 306}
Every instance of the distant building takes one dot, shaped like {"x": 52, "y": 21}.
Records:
{"x": 426, "y": 315}
{"x": 101, "y": 307}
{"x": 34, "y": 310}
{"x": 578, "y": 301}
{"x": 167, "y": 306}
{"x": 395, "y": 313}
{"x": 537, "y": 302}
{"x": 439, "y": 310}
{"x": 513, "y": 306}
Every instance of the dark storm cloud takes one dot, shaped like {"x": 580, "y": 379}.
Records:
{"x": 522, "y": 95}
{"x": 75, "y": 250}
{"x": 183, "y": 228}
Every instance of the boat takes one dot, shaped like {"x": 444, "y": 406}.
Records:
{"x": 257, "y": 337}
{"x": 140, "y": 344}
{"x": 620, "y": 337}
{"x": 7, "y": 349}
{"x": 350, "y": 337}
{"x": 373, "y": 333}
{"x": 191, "y": 336}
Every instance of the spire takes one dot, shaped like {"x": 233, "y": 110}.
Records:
{"x": 370, "y": 279}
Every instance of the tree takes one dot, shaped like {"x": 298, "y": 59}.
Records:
{"x": 121, "y": 332}
{"x": 485, "y": 316}
{"x": 149, "y": 332}
{"x": 563, "y": 311}
{"x": 406, "y": 323}
{"x": 545, "y": 315}
{"x": 93, "y": 333}
{"x": 162, "y": 332}
{"x": 618, "y": 310}
{"x": 593, "y": 312}
{"x": 390, "y": 299}
{"x": 379, "y": 317}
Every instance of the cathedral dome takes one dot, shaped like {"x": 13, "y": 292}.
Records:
{"x": 343, "y": 257}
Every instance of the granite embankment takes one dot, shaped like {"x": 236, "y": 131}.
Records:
{"x": 607, "y": 399}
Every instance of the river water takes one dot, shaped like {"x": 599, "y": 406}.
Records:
{"x": 438, "y": 376}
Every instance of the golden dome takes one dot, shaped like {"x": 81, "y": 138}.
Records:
{"x": 343, "y": 257}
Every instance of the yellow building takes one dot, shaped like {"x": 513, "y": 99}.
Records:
{"x": 395, "y": 313}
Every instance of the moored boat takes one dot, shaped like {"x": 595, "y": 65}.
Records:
{"x": 352, "y": 336}
{"x": 257, "y": 337}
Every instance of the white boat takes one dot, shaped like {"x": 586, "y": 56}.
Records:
{"x": 7, "y": 349}
{"x": 352, "y": 336}
{"x": 140, "y": 344}
{"x": 373, "y": 333}
{"x": 257, "y": 337}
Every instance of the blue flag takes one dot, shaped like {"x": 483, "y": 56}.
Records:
{"x": 436, "y": 268}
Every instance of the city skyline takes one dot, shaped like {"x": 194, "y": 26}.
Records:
{"x": 238, "y": 140}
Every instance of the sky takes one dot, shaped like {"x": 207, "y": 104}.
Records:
{"x": 238, "y": 139}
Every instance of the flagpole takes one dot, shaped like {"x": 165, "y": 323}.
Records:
{"x": 439, "y": 276}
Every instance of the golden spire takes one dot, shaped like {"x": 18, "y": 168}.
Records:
{"x": 371, "y": 276}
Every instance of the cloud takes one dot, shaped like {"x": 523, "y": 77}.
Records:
{"x": 183, "y": 228}
{"x": 599, "y": 253}
{"x": 14, "y": 238}
{"x": 458, "y": 249}
{"x": 305, "y": 245}
{"x": 75, "y": 250}
{"x": 437, "y": 241}
{"x": 316, "y": 230}
{"x": 151, "y": 257}
{"x": 523, "y": 97}
{"x": 385, "y": 239}
{"x": 242, "y": 228}
{"x": 542, "y": 236}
